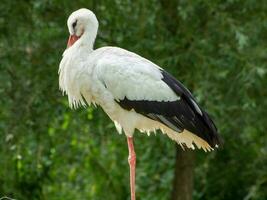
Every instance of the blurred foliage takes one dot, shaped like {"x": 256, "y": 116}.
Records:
{"x": 217, "y": 48}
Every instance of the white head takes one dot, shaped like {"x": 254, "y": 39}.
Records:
{"x": 83, "y": 26}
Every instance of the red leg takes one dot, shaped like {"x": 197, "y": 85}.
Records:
{"x": 132, "y": 161}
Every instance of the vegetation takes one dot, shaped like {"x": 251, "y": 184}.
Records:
{"x": 50, "y": 152}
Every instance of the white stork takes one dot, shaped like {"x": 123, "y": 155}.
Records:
{"x": 134, "y": 92}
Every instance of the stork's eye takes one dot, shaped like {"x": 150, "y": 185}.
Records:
{"x": 74, "y": 24}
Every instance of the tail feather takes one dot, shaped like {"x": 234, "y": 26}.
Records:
{"x": 187, "y": 139}
{"x": 214, "y": 137}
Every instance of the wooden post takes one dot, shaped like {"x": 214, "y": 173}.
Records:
{"x": 184, "y": 175}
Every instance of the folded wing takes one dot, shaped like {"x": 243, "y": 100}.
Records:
{"x": 138, "y": 84}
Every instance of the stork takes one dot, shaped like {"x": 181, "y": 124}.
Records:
{"x": 133, "y": 91}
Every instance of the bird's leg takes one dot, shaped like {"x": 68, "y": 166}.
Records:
{"x": 132, "y": 161}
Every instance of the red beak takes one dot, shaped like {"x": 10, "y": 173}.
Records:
{"x": 72, "y": 40}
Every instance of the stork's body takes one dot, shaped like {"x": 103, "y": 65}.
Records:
{"x": 134, "y": 92}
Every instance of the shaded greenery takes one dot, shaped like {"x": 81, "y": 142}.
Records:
{"x": 217, "y": 48}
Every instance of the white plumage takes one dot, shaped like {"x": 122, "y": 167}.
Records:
{"x": 108, "y": 75}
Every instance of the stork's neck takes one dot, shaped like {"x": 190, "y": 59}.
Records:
{"x": 87, "y": 40}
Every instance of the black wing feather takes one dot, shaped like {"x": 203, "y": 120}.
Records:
{"x": 206, "y": 126}
{"x": 177, "y": 115}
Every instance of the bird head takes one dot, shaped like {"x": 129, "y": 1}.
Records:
{"x": 81, "y": 22}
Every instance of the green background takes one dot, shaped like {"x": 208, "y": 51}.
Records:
{"x": 216, "y": 48}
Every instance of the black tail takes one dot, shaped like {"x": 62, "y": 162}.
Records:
{"x": 214, "y": 137}
{"x": 198, "y": 123}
